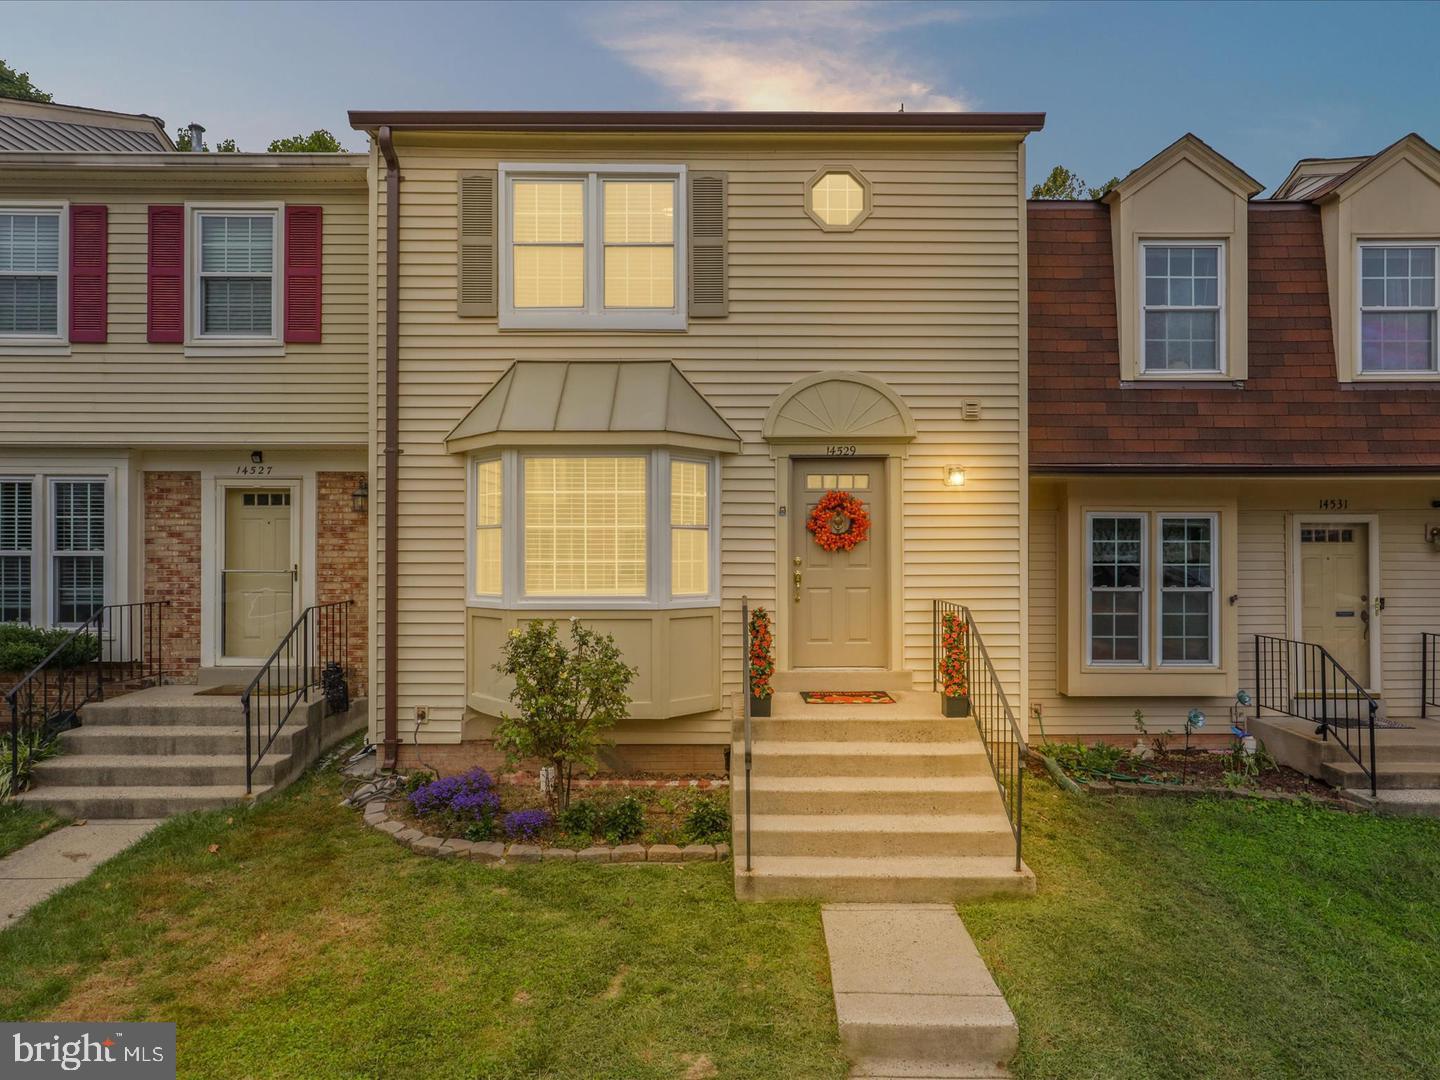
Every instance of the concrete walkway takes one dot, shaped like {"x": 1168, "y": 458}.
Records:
{"x": 913, "y": 997}
{"x": 55, "y": 860}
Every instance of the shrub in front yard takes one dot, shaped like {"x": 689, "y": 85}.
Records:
{"x": 24, "y": 647}
{"x": 708, "y": 822}
{"x": 625, "y": 821}
{"x": 526, "y": 824}
{"x": 468, "y": 800}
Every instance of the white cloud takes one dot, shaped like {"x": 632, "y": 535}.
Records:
{"x": 799, "y": 55}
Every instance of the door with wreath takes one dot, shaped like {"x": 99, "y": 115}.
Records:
{"x": 838, "y": 569}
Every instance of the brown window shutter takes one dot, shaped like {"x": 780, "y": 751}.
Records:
{"x": 709, "y": 238}
{"x": 477, "y": 286}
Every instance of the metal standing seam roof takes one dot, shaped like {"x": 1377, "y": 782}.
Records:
{"x": 29, "y": 133}
{"x": 542, "y": 401}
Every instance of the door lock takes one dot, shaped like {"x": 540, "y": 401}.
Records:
{"x": 796, "y": 577}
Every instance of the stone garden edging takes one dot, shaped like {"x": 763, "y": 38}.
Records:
{"x": 500, "y": 853}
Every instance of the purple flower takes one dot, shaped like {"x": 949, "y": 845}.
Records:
{"x": 526, "y": 824}
{"x": 470, "y": 795}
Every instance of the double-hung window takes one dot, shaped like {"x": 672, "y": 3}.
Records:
{"x": 32, "y": 271}
{"x": 77, "y": 549}
{"x": 592, "y": 246}
{"x": 1182, "y": 308}
{"x": 1397, "y": 308}
{"x": 17, "y": 550}
{"x": 1138, "y": 617}
{"x": 236, "y": 295}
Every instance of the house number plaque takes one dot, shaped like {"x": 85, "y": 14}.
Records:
{"x": 1334, "y": 504}
{"x": 254, "y": 470}
{"x": 841, "y": 450}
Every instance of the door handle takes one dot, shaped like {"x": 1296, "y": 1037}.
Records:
{"x": 796, "y": 578}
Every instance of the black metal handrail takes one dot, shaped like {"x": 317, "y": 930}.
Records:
{"x": 318, "y": 643}
{"x": 990, "y": 708}
{"x": 117, "y": 645}
{"x": 745, "y": 660}
{"x": 1429, "y": 667}
{"x": 1301, "y": 679}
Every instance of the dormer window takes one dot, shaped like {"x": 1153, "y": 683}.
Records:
{"x": 1397, "y": 308}
{"x": 1182, "y": 308}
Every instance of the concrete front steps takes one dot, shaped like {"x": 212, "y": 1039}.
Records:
{"x": 870, "y": 803}
{"x": 1407, "y": 763}
{"x": 165, "y": 750}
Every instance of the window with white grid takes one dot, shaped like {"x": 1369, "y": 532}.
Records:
{"x": 236, "y": 294}
{"x": 1115, "y": 554}
{"x": 585, "y": 526}
{"x": 489, "y": 505}
{"x": 689, "y": 528}
{"x": 31, "y": 268}
{"x": 1398, "y": 308}
{"x": 1182, "y": 307}
{"x": 17, "y": 550}
{"x": 77, "y": 553}
{"x": 1187, "y": 590}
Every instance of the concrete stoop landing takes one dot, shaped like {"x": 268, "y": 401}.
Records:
{"x": 165, "y": 750}
{"x": 1407, "y": 763}
{"x": 912, "y": 996}
{"x": 870, "y": 803}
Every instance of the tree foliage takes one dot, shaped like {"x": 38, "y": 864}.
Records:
{"x": 182, "y": 142}
{"x": 1064, "y": 184}
{"x": 318, "y": 141}
{"x": 17, "y": 85}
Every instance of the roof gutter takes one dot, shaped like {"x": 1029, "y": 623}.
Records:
{"x": 691, "y": 122}
{"x": 389, "y": 401}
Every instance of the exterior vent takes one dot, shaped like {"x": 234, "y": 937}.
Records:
{"x": 970, "y": 409}
{"x": 477, "y": 291}
{"x": 709, "y": 238}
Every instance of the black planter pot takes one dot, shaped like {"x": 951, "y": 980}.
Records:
{"x": 760, "y": 706}
{"x": 955, "y": 706}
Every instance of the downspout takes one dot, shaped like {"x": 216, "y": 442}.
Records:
{"x": 389, "y": 401}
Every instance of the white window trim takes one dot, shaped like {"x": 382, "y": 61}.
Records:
{"x": 595, "y": 314}
{"x": 1221, "y": 333}
{"x": 1144, "y": 590}
{"x": 1361, "y": 311}
{"x": 1160, "y": 590}
{"x": 53, "y": 552}
{"x": 60, "y": 340}
{"x": 199, "y": 344}
{"x": 657, "y": 537}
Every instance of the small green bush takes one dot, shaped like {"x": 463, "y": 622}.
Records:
{"x": 708, "y": 822}
{"x": 23, "y": 647}
{"x": 580, "y": 819}
{"x": 33, "y": 750}
{"x": 418, "y": 779}
{"x": 625, "y": 821}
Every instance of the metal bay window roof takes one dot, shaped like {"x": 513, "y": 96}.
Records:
{"x": 590, "y": 403}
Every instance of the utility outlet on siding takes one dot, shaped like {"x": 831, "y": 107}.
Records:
{"x": 422, "y": 713}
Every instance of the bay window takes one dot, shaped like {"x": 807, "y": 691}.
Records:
{"x": 593, "y": 529}
{"x": 1139, "y": 618}
{"x": 1398, "y": 307}
{"x": 587, "y": 245}
{"x": 32, "y": 289}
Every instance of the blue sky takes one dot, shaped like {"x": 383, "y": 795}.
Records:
{"x": 1264, "y": 84}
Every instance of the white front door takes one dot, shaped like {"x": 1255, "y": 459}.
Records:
{"x": 258, "y": 572}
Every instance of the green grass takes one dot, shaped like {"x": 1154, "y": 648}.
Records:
{"x": 307, "y": 945}
{"x": 1219, "y": 938}
{"x": 20, "y": 824}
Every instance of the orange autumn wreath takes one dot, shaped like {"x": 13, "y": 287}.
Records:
{"x": 839, "y": 521}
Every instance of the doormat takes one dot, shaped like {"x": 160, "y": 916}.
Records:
{"x": 846, "y": 697}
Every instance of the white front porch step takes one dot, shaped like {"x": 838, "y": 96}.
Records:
{"x": 908, "y": 704}
{"x": 165, "y": 739}
{"x": 867, "y": 727}
{"x": 879, "y": 834}
{"x": 152, "y": 770}
{"x": 134, "y": 802}
{"x": 867, "y": 759}
{"x": 844, "y": 679}
{"x": 1389, "y": 775}
{"x": 869, "y": 879}
{"x": 867, "y": 794}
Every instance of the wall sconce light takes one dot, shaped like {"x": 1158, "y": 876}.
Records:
{"x": 360, "y": 497}
{"x": 954, "y": 476}
{"x": 256, "y": 457}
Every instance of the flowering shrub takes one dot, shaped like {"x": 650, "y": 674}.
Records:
{"x": 470, "y": 796}
{"x": 762, "y": 654}
{"x": 526, "y": 824}
{"x": 954, "y": 681}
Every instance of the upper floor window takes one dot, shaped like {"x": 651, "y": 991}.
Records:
{"x": 589, "y": 245}
{"x": 1397, "y": 308}
{"x": 1182, "y": 308}
{"x": 235, "y": 293}
{"x": 31, "y": 290}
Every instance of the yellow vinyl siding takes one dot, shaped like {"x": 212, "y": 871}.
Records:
{"x": 130, "y": 392}
{"x": 925, "y": 295}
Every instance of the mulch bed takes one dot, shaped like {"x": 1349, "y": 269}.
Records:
{"x": 1197, "y": 771}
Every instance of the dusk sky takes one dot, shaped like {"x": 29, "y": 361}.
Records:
{"x": 1264, "y": 84}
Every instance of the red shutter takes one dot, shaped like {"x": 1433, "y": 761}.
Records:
{"x": 89, "y": 260}
{"x": 304, "y": 236}
{"x": 165, "y": 293}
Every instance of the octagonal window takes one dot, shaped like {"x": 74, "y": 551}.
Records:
{"x": 837, "y": 199}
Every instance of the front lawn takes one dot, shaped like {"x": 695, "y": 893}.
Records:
{"x": 307, "y": 945}
{"x": 1219, "y": 938}
{"x": 20, "y": 824}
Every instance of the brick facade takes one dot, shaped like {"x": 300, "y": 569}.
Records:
{"x": 172, "y": 564}
{"x": 342, "y": 564}
{"x": 1291, "y": 414}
